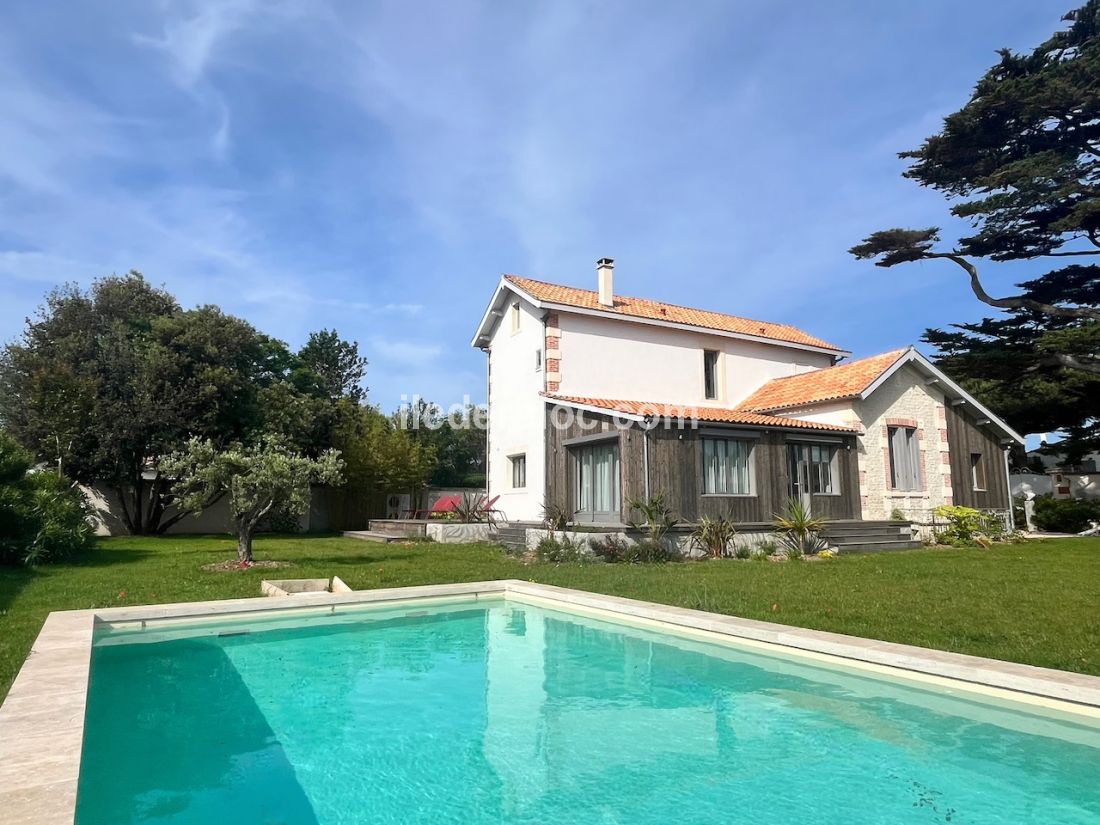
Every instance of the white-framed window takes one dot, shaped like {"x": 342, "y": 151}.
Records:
{"x": 904, "y": 458}
{"x": 728, "y": 467}
{"x": 824, "y": 476}
{"x": 977, "y": 471}
{"x": 515, "y": 317}
{"x": 710, "y": 373}
{"x": 519, "y": 470}
{"x": 538, "y": 360}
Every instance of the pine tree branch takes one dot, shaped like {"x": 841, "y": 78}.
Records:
{"x": 1014, "y": 302}
{"x": 1059, "y": 359}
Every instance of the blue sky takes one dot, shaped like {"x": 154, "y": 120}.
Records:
{"x": 375, "y": 167}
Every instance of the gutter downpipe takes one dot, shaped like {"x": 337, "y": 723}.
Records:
{"x": 1008, "y": 490}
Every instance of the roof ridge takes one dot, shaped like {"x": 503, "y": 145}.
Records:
{"x": 792, "y": 327}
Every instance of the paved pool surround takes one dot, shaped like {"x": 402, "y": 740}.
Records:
{"x": 42, "y": 719}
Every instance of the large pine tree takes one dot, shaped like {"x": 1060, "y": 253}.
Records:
{"x": 1021, "y": 162}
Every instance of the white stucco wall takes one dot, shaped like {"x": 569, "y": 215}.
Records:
{"x": 904, "y": 396}
{"x": 516, "y": 413}
{"x": 608, "y": 358}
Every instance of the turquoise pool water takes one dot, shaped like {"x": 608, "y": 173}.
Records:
{"x": 505, "y": 713}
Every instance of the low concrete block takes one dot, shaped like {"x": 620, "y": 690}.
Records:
{"x": 447, "y": 532}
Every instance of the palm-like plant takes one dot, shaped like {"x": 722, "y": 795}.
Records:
{"x": 659, "y": 517}
{"x": 713, "y": 535}
{"x": 800, "y": 531}
{"x": 557, "y": 516}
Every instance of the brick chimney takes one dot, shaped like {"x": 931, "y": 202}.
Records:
{"x": 605, "y": 269}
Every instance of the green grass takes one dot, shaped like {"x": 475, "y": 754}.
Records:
{"x": 1034, "y": 603}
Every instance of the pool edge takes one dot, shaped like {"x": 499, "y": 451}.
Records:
{"x": 42, "y": 718}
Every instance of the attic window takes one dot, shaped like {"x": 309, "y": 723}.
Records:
{"x": 515, "y": 317}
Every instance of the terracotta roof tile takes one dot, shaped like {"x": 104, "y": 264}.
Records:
{"x": 656, "y": 310}
{"x": 832, "y": 384}
{"x": 716, "y": 415}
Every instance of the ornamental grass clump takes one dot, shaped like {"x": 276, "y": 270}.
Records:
{"x": 713, "y": 536}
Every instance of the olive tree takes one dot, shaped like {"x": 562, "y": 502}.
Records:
{"x": 256, "y": 480}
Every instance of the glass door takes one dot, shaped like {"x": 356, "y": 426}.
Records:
{"x": 798, "y": 474}
{"x": 597, "y": 486}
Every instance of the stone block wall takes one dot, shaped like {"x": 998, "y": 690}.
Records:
{"x": 904, "y": 400}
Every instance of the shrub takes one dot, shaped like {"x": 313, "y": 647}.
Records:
{"x": 800, "y": 532}
{"x": 965, "y": 525}
{"x": 559, "y": 550}
{"x": 611, "y": 548}
{"x": 1065, "y": 515}
{"x": 742, "y": 551}
{"x": 616, "y": 550}
{"x": 897, "y": 514}
{"x": 43, "y": 517}
{"x": 713, "y": 535}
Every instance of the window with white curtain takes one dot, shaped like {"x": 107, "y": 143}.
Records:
{"x": 904, "y": 458}
{"x": 727, "y": 467}
{"x": 823, "y": 469}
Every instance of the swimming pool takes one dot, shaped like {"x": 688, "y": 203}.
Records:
{"x": 512, "y": 710}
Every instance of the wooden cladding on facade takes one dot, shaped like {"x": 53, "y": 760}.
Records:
{"x": 966, "y": 440}
{"x": 676, "y": 469}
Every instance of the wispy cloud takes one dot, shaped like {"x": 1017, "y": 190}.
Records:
{"x": 376, "y": 166}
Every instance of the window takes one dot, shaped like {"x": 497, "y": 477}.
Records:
{"x": 904, "y": 458}
{"x": 977, "y": 471}
{"x": 597, "y": 492}
{"x": 515, "y": 317}
{"x": 538, "y": 360}
{"x": 710, "y": 373}
{"x": 519, "y": 471}
{"x": 727, "y": 467}
{"x": 823, "y": 471}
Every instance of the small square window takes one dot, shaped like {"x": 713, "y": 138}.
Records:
{"x": 519, "y": 471}
{"x": 977, "y": 471}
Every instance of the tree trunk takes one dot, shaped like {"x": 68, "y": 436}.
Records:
{"x": 244, "y": 545}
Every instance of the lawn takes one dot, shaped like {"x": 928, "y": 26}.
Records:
{"x": 1034, "y": 603}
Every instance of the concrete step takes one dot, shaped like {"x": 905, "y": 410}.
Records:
{"x": 868, "y": 536}
{"x": 879, "y": 546}
{"x": 882, "y": 529}
{"x": 373, "y": 535}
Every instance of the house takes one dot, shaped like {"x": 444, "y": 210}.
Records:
{"x": 597, "y": 399}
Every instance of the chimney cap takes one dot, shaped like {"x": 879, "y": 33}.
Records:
{"x": 605, "y": 262}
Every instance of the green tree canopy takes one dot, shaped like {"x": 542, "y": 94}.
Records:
{"x": 257, "y": 479}
{"x": 379, "y": 456}
{"x": 335, "y": 365}
{"x": 104, "y": 383}
{"x": 457, "y": 441}
{"x": 1021, "y": 163}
